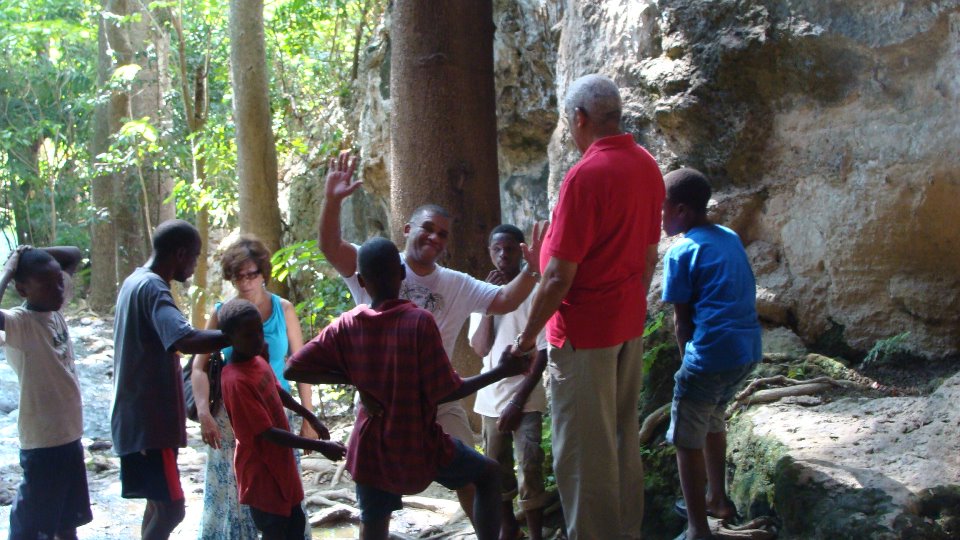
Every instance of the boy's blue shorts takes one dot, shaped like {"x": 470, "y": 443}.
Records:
{"x": 467, "y": 466}
{"x": 699, "y": 403}
{"x": 53, "y": 496}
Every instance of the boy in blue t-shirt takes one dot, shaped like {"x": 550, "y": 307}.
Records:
{"x": 707, "y": 277}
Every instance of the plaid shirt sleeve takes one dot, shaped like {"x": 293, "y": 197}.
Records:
{"x": 321, "y": 354}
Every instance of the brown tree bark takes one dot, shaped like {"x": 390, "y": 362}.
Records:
{"x": 103, "y": 243}
{"x": 444, "y": 129}
{"x": 256, "y": 151}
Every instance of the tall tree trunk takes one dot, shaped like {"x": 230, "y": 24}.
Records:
{"x": 103, "y": 243}
{"x": 128, "y": 215}
{"x": 152, "y": 45}
{"x": 135, "y": 37}
{"x": 256, "y": 151}
{"x": 443, "y": 129}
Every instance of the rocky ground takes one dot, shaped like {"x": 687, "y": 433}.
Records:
{"x": 331, "y": 504}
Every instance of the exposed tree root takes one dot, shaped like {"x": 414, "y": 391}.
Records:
{"x": 791, "y": 387}
{"x": 652, "y": 422}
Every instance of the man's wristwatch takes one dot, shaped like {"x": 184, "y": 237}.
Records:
{"x": 531, "y": 273}
{"x": 516, "y": 347}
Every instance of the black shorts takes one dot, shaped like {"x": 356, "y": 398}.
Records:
{"x": 291, "y": 526}
{"x": 151, "y": 474}
{"x": 53, "y": 496}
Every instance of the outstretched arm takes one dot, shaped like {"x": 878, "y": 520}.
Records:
{"x": 309, "y": 418}
{"x": 508, "y": 366}
{"x": 333, "y": 451}
{"x": 201, "y": 341}
{"x": 340, "y": 185}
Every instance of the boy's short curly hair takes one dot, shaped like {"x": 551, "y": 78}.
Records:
{"x": 30, "y": 262}
{"x": 689, "y": 187}
{"x": 247, "y": 248}
{"x": 506, "y": 228}
{"x": 235, "y": 311}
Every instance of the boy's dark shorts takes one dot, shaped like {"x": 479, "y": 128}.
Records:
{"x": 467, "y": 466}
{"x": 292, "y": 525}
{"x": 151, "y": 474}
{"x": 53, "y": 496}
{"x": 700, "y": 402}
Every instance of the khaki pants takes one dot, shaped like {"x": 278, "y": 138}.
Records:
{"x": 596, "y": 445}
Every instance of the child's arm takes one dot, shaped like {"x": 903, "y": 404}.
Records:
{"x": 682, "y": 325}
{"x": 304, "y": 413}
{"x": 509, "y": 366}
{"x": 333, "y": 451}
{"x": 512, "y": 414}
{"x": 9, "y": 268}
{"x": 314, "y": 376}
{"x": 68, "y": 257}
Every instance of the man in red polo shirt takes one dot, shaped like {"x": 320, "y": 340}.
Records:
{"x": 598, "y": 259}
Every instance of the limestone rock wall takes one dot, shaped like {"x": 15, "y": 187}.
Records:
{"x": 829, "y": 129}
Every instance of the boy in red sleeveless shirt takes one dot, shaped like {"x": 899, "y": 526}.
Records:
{"x": 267, "y": 475}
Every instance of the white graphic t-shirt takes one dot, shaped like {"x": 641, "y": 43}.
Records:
{"x": 451, "y": 297}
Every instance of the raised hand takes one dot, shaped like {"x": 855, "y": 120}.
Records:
{"x": 11, "y": 265}
{"x": 531, "y": 253}
{"x": 340, "y": 184}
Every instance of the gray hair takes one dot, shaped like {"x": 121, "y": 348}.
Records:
{"x": 597, "y": 95}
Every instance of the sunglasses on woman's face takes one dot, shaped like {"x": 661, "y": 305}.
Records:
{"x": 246, "y": 276}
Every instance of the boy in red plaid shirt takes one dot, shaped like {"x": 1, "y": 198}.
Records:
{"x": 392, "y": 352}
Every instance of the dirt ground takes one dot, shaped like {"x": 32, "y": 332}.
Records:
{"x": 331, "y": 505}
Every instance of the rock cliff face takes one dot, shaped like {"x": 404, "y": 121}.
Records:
{"x": 829, "y": 129}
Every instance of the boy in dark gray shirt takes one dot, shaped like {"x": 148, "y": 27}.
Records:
{"x": 148, "y": 422}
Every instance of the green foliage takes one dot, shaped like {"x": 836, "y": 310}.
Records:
{"x": 324, "y": 298}
{"x": 889, "y": 351}
{"x": 47, "y": 88}
{"x": 652, "y": 351}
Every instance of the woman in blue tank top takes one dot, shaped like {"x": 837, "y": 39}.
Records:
{"x": 246, "y": 264}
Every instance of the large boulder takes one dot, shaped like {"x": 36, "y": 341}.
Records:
{"x": 829, "y": 129}
{"x": 852, "y": 468}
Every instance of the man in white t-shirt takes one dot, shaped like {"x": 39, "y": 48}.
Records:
{"x": 512, "y": 409}
{"x": 451, "y": 296}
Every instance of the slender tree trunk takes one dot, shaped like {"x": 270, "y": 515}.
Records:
{"x": 443, "y": 129}
{"x": 256, "y": 151}
{"x": 128, "y": 217}
{"x": 103, "y": 243}
{"x": 152, "y": 45}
